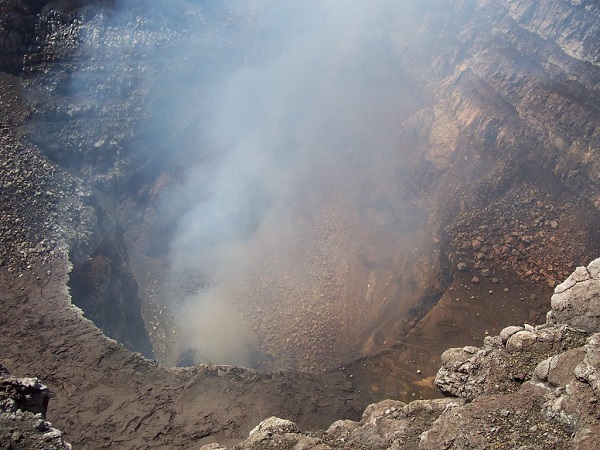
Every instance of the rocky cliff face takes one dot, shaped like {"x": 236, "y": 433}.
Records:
{"x": 502, "y": 106}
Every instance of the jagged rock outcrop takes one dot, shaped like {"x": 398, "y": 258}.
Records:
{"x": 24, "y": 394}
{"x": 387, "y": 424}
{"x": 531, "y": 387}
{"x": 571, "y": 24}
{"x": 23, "y": 406}
{"x": 502, "y": 364}
{"x": 28, "y": 28}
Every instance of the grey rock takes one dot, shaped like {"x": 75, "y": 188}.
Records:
{"x": 342, "y": 428}
{"x": 558, "y": 370}
{"x": 502, "y": 364}
{"x": 23, "y": 394}
{"x": 275, "y": 425}
{"x": 23, "y": 405}
{"x": 40, "y": 425}
{"x": 274, "y": 433}
{"x": 576, "y": 301}
{"x": 522, "y": 340}
{"x": 589, "y": 369}
{"x": 508, "y": 332}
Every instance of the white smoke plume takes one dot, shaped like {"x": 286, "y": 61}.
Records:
{"x": 284, "y": 117}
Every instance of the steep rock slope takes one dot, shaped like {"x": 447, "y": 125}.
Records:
{"x": 506, "y": 108}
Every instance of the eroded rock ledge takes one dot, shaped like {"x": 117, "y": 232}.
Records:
{"x": 530, "y": 387}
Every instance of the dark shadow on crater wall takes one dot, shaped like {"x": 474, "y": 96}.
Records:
{"x": 102, "y": 285}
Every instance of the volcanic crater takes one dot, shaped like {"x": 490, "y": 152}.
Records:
{"x": 329, "y": 197}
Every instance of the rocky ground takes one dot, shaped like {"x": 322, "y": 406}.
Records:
{"x": 528, "y": 387}
{"x": 525, "y": 239}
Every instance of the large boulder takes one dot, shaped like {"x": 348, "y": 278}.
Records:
{"x": 576, "y": 301}
{"x": 505, "y": 361}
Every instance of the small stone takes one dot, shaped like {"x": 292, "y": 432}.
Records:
{"x": 461, "y": 266}
{"x": 475, "y": 280}
{"x": 485, "y": 272}
{"x": 40, "y": 425}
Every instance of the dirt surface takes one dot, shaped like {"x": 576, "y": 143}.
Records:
{"x": 104, "y": 396}
{"x": 465, "y": 314}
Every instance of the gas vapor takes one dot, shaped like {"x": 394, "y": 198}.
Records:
{"x": 314, "y": 91}
{"x": 285, "y": 115}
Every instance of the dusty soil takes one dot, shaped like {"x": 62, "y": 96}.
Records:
{"x": 104, "y": 396}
